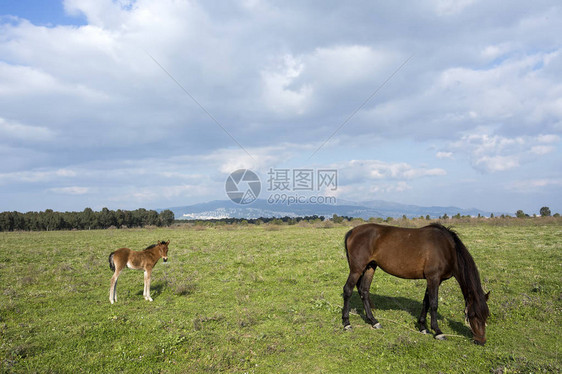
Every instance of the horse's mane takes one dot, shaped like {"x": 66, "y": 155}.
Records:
{"x": 154, "y": 245}
{"x": 437, "y": 225}
{"x": 468, "y": 278}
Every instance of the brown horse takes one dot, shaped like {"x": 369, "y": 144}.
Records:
{"x": 139, "y": 260}
{"x": 434, "y": 253}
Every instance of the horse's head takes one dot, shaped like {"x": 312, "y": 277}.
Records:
{"x": 163, "y": 247}
{"x": 477, "y": 315}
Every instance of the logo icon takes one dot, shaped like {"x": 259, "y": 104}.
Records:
{"x": 243, "y": 186}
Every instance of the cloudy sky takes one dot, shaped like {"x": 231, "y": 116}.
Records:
{"x": 152, "y": 103}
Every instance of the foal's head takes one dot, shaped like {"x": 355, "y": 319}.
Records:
{"x": 163, "y": 249}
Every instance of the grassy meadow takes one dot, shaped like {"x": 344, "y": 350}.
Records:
{"x": 267, "y": 299}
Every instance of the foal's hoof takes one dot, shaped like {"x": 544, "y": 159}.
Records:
{"x": 376, "y": 326}
{"x": 440, "y": 337}
{"x": 424, "y": 331}
{"x": 347, "y": 328}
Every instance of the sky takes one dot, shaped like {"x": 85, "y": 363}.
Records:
{"x": 152, "y": 104}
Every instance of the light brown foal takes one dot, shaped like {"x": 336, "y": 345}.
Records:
{"x": 139, "y": 260}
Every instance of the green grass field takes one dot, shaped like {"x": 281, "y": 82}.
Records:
{"x": 267, "y": 299}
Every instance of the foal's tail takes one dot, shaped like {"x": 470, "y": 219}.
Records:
{"x": 111, "y": 263}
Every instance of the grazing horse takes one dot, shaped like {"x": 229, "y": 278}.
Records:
{"x": 433, "y": 252}
{"x": 139, "y": 260}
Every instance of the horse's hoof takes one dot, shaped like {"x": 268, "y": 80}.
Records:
{"x": 424, "y": 331}
{"x": 440, "y": 337}
{"x": 347, "y": 328}
{"x": 377, "y": 326}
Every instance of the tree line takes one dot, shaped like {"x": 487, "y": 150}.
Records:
{"x": 85, "y": 220}
{"x": 256, "y": 221}
{"x": 89, "y": 219}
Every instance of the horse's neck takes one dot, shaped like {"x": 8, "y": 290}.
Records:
{"x": 154, "y": 252}
{"x": 470, "y": 285}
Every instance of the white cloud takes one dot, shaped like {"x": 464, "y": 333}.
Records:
{"x": 487, "y": 97}
{"x": 442, "y": 154}
{"x": 542, "y": 149}
{"x": 451, "y": 7}
{"x": 496, "y": 163}
{"x": 35, "y": 176}
{"x": 279, "y": 95}
{"x": 534, "y": 185}
{"x": 156, "y": 194}
{"x": 74, "y": 190}
{"x": 547, "y": 139}
{"x": 492, "y": 153}
{"x": 369, "y": 170}
{"x": 343, "y": 65}
{"x": 15, "y": 130}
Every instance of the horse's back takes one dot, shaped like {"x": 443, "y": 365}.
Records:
{"x": 403, "y": 252}
{"x": 121, "y": 256}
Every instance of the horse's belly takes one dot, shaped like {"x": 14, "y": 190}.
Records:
{"x": 404, "y": 272}
{"x": 132, "y": 264}
{"x": 403, "y": 266}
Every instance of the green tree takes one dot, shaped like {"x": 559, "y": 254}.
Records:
{"x": 166, "y": 217}
{"x": 52, "y": 220}
{"x": 152, "y": 218}
{"x": 88, "y": 219}
{"x": 337, "y": 219}
{"x": 520, "y": 214}
{"x": 545, "y": 211}
{"x": 6, "y": 221}
{"x": 107, "y": 218}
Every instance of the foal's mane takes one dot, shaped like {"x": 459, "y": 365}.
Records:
{"x": 468, "y": 278}
{"x": 154, "y": 245}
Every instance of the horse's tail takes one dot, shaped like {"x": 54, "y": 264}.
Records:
{"x": 111, "y": 263}
{"x": 347, "y": 235}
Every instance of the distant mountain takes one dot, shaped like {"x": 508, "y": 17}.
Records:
{"x": 218, "y": 209}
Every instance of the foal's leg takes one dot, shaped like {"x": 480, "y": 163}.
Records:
{"x": 347, "y": 291}
{"x": 433, "y": 291}
{"x": 146, "y": 292}
{"x": 423, "y": 314}
{"x": 366, "y": 280}
{"x": 113, "y": 286}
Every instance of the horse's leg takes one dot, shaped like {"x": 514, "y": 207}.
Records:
{"x": 347, "y": 291}
{"x": 113, "y": 286}
{"x": 433, "y": 292}
{"x": 366, "y": 280}
{"x": 146, "y": 293}
{"x": 359, "y": 284}
{"x": 423, "y": 314}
